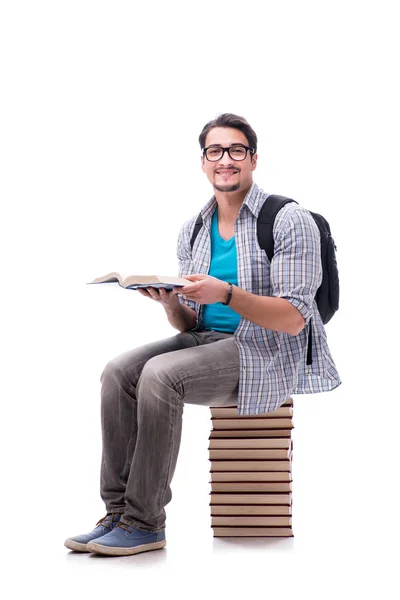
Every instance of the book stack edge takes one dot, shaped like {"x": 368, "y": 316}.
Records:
{"x": 251, "y": 472}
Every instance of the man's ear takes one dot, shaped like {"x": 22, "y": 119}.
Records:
{"x": 254, "y": 161}
{"x": 202, "y": 164}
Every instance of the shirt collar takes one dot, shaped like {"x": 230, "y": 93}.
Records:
{"x": 251, "y": 200}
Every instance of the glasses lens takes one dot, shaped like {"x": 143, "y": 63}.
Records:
{"x": 213, "y": 153}
{"x": 237, "y": 153}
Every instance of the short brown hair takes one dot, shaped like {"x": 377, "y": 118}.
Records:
{"x": 230, "y": 120}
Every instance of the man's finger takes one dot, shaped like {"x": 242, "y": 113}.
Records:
{"x": 152, "y": 292}
{"x": 187, "y": 289}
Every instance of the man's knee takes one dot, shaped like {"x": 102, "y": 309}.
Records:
{"x": 111, "y": 371}
{"x": 116, "y": 370}
{"x": 123, "y": 370}
{"x": 157, "y": 371}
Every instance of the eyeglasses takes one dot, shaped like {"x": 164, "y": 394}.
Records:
{"x": 215, "y": 153}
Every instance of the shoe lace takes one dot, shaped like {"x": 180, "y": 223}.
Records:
{"x": 124, "y": 526}
{"x": 106, "y": 521}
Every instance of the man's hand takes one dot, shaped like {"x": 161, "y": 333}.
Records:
{"x": 204, "y": 290}
{"x": 166, "y": 298}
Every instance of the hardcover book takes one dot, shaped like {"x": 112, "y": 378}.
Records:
{"x": 246, "y": 498}
{"x": 251, "y": 476}
{"x": 250, "y": 443}
{"x": 231, "y": 413}
{"x": 249, "y": 510}
{"x": 251, "y": 521}
{"x": 253, "y": 423}
{"x": 251, "y": 486}
{"x": 250, "y": 454}
{"x": 251, "y": 433}
{"x": 133, "y": 282}
{"x": 253, "y": 532}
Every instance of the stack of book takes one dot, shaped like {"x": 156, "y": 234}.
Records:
{"x": 251, "y": 472}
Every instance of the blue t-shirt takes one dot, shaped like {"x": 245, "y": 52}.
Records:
{"x": 223, "y": 266}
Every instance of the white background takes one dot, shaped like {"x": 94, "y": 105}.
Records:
{"x": 101, "y": 107}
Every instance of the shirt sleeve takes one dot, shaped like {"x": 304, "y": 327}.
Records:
{"x": 296, "y": 268}
{"x": 184, "y": 254}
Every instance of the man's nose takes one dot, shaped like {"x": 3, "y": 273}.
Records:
{"x": 225, "y": 159}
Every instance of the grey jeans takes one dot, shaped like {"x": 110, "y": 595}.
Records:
{"x": 142, "y": 398}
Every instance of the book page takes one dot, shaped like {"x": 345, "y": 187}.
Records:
{"x": 141, "y": 280}
{"x": 110, "y": 277}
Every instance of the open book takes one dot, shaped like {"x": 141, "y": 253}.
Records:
{"x": 133, "y": 282}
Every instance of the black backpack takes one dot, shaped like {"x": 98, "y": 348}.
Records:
{"x": 327, "y": 296}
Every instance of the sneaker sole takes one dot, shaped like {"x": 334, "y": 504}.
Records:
{"x": 77, "y": 546}
{"x": 115, "y": 551}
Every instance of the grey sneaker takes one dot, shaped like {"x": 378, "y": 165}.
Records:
{"x": 105, "y": 525}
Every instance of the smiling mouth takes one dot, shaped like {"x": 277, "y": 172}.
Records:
{"x": 225, "y": 173}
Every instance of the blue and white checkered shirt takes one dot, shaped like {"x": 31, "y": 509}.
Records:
{"x": 272, "y": 364}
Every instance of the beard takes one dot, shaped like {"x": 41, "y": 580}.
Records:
{"x": 227, "y": 188}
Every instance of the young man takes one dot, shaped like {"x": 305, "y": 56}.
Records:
{"x": 242, "y": 341}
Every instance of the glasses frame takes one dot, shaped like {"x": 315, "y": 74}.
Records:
{"x": 227, "y": 149}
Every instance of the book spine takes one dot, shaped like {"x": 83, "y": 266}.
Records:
{"x": 249, "y": 510}
{"x": 235, "y": 476}
{"x": 233, "y": 434}
{"x": 253, "y": 532}
{"x": 249, "y": 498}
{"x": 251, "y": 521}
{"x": 251, "y": 465}
{"x": 247, "y": 443}
{"x": 231, "y": 413}
{"x": 251, "y": 486}
{"x": 250, "y": 454}
{"x": 252, "y": 423}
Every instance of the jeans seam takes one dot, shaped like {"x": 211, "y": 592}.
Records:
{"x": 159, "y": 498}
{"x": 186, "y": 378}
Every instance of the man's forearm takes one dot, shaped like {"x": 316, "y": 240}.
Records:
{"x": 182, "y": 317}
{"x": 269, "y": 312}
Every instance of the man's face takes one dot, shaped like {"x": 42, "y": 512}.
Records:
{"x": 227, "y": 174}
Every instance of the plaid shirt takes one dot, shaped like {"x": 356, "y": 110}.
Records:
{"x": 272, "y": 364}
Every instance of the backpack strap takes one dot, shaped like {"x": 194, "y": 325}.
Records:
{"x": 197, "y": 226}
{"x": 265, "y": 225}
{"x": 266, "y": 219}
